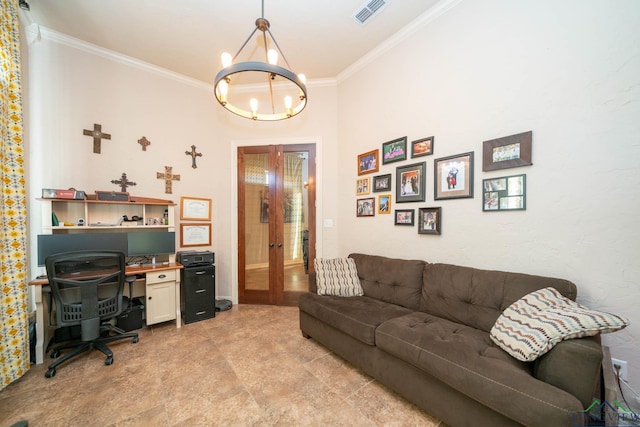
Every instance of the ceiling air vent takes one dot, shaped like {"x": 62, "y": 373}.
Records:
{"x": 369, "y": 9}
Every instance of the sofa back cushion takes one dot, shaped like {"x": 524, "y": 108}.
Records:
{"x": 396, "y": 281}
{"x": 477, "y": 297}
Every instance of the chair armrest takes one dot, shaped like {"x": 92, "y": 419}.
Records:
{"x": 573, "y": 366}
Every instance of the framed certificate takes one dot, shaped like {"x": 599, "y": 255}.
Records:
{"x": 195, "y": 209}
{"x": 195, "y": 235}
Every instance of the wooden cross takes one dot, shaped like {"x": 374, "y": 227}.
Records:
{"x": 168, "y": 177}
{"x": 144, "y": 142}
{"x": 193, "y": 155}
{"x": 97, "y": 135}
{"x": 123, "y": 182}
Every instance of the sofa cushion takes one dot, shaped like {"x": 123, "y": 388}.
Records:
{"x": 337, "y": 276}
{"x": 467, "y": 360}
{"x": 535, "y": 323}
{"x": 355, "y": 316}
{"x": 476, "y": 297}
{"x": 397, "y": 281}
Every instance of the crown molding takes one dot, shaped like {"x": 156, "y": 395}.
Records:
{"x": 35, "y": 32}
{"x": 417, "y": 24}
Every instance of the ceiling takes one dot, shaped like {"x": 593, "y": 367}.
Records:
{"x": 319, "y": 39}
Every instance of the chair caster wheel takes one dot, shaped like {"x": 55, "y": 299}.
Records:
{"x": 108, "y": 360}
{"x": 55, "y": 354}
{"x": 135, "y": 340}
{"x": 50, "y": 373}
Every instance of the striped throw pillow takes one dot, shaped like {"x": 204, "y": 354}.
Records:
{"x": 338, "y": 277}
{"x": 535, "y": 323}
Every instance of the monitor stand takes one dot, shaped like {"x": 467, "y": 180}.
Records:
{"x": 152, "y": 264}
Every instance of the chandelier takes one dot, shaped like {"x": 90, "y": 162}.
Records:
{"x": 260, "y": 90}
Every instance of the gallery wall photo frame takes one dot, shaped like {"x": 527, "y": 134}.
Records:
{"x": 507, "y": 152}
{"x": 195, "y": 209}
{"x": 506, "y": 193}
{"x": 404, "y": 217}
{"x": 384, "y": 204}
{"x": 193, "y": 234}
{"x": 422, "y": 147}
{"x": 365, "y": 207}
{"x": 368, "y": 162}
{"x": 363, "y": 186}
{"x": 430, "y": 220}
{"x": 382, "y": 183}
{"x": 394, "y": 151}
{"x": 411, "y": 183}
{"x": 453, "y": 177}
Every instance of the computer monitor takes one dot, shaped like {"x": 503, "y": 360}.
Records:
{"x": 49, "y": 244}
{"x": 151, "y": 243}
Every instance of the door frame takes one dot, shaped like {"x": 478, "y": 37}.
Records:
{"x": 234, "y": 198}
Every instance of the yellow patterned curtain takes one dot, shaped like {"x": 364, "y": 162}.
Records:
{"x": 14, "y": 323}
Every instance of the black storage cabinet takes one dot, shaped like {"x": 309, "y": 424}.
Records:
{"x": 198, "y": 292}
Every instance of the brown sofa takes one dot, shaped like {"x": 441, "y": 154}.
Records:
{"x": 422, "y": 330}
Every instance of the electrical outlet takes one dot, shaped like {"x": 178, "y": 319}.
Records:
{"x": 624, "y": 374}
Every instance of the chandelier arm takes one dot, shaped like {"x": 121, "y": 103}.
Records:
{"x": 245, "y": 43}
{"x": 278, "y": 46}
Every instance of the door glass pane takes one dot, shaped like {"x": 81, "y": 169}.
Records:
{"x": 296, "y": 215}
{"x": 256, "y": 216}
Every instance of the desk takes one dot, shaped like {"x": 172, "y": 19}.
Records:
{"x": 43, "y": 330}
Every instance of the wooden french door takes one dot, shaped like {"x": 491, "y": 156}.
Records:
{"x": 276, "y": 222}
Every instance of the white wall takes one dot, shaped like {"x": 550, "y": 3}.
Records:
{"x": 71, "y": 85}
{"x": 570, "y": 72}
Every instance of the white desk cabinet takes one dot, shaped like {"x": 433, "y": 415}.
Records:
{"x": 161, "y": 290}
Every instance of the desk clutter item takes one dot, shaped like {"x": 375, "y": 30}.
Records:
{"x": 50, "y": 193}
{"x": 112, "y": 196}
{"x": 131, "y": 318}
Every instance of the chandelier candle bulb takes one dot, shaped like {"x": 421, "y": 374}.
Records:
{"x": 287, "y": 104}
{"x": 226, "y": 59}
{"x": 254, "y": 108}
{"x": 272, "y": 56}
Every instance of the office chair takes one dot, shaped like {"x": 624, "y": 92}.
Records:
{"x": 87, "y": 289}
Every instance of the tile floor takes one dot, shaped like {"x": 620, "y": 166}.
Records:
{"x": 249, "y": 366}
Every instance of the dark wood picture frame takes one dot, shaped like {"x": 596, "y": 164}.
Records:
{"x": 507, "y": 152}
{"x": 394, "y": 151}
{"x": 405, "y": 217}
{"x": 366, "y": 207}
{"x": 422, "y": 147}
{"x": 381, "y": 183}
{"x": 368, "y": 162}
{"x": 430, "y": 220}
{"x": 453, "y": 177}
{"x": 411, "y": 183}
{"x": 506, "y": 193}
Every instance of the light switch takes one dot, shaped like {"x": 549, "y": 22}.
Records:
{"x": 328, "y": 223}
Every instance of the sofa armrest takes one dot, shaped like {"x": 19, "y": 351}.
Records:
{"x": 573, "y": 366}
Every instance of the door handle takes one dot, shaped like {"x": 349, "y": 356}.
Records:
{"x": 271, "y": 245}
{"x": 279, "y": 245}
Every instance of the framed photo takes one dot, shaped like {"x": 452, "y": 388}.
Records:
{"x": 382, "y": 183}
{"x": 430, "y": 221}
{"x": 384, "y": 204}
{"x": 422, "y": 147}
{"x": 394, "y": 151}
{"x": 195, "y": 209}
{"x": 507, "y": 193}
{"x": 365, "y": 207}
{"x": 507, "y": 152}
{"x": 362, "y": 186}
{"x": 404, "y": 217}
{"x": 453, "y": 177}
{"x": 368, "y": 162}
{"x": 411, "y": 183}
{"x": 195, "y": 235}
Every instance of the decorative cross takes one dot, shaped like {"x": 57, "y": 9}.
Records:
{"x": 168, "y": 177}
{"x": 97, "y": 135}
{"x": 144, "y": 142}
{"x": 123, "y": 182}
{"x": 193, "y": 155}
